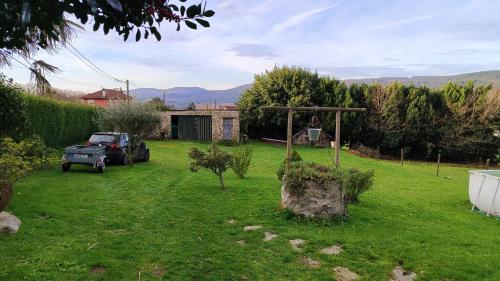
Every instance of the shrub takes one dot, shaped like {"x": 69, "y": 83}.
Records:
{"x": 58, "y": 123}
{"x": 295, "y": 158}
{"x": 138, "y": 120}
{"x": 12, "y": 110}
{"x": 356, "y": 182}
{"x": 17, "y": 159}
{"x": 215, "y": 160}
{"x": 241, "y": 160}
{"x": 353, "y": 181}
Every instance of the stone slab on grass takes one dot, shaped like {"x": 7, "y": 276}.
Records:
{"x": 332, "y": 250}
{"x": 252, "y": 227}
{"x": 399, "y": 274}
{"x": 241, "y": 242}
{"x": 297, "y": 244}
{"x": 268, "y": 236}
{"x": 344, "y": 274}
{"x": 9, "y": 224}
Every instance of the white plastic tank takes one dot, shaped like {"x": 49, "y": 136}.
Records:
{"x": 484, "y": 191}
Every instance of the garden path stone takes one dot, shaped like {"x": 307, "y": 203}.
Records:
{"x": 268, "y": 236}
{"x": 297, "y": 243}
{"x": 333, "y": 250}
{"x": 344, "y": 274}
{"x": 231, "y": 221}
{"x": 9, "y": 224}
{"x": 252, "y": 227}
{"x": 399, "y": 274}
{"x": 241, "y": 242}
{"x": 309, "y": 262}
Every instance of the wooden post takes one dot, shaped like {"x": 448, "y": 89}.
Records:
{"x": 439, "y": 161}
{"x": 378, "y": 152}
{"x": 487, "y": 164}
{"x": 337, "y": 110}
{"x": 402, "y": 157}
{"x": 128, "y": 93}
{"x": 289, "y": 139}
{"x": 337, "y": 137}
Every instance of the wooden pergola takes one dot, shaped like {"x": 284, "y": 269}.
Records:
{"x": 290, "y": 110}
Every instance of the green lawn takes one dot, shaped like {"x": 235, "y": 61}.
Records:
{"x": 158, "y": 218}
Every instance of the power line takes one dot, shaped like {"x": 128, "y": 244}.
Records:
{"x": 26, "y": 68}
{"x": 90, "y": 65}
{"x": 97, "y": 68}
{"x": 73, "y": 81}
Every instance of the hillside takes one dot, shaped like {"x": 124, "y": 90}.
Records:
{"x": 181, "y": 97}
{"x": 483, "y": 77}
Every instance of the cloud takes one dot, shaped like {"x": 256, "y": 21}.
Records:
{"x": 405, "y": 21}
{"x": 390, "y": 59}
{"x": 253, "y": 51}
{"x": 295, "y": 20}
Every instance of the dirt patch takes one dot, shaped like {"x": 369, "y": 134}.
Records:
{"x": 159, "y": 271}
{"x": 344, "y": 274}
{"x": 309, "y": 262}
{"x": 97, "y": 269}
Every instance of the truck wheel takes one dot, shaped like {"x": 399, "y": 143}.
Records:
{"x": 65, "y": 167}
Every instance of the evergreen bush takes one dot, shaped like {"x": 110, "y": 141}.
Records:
{"x": 241, "y": 160}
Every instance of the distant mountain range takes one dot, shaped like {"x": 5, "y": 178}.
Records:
{"x": 181, "y": 97}
{"x": 482, "y": 77}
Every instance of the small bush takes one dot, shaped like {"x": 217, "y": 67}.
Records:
{"x": 241, "y": 161}
{"x": 17, "y": 159}
{"x": 215, "y": 160}
{"x": 281, "y": 170}
{"x": 356, "y": 182}
{"x": 353, "y": 181}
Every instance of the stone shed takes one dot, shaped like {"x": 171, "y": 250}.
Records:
{"x": 204, "y": 125}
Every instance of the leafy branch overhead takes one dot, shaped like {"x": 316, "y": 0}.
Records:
{"x": 39, "y": 22}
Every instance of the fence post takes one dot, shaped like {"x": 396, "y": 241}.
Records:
{"x": 487, "y": 164}
{"x": 439, "y": 161}
{"x": 378, "y": 152}
{"x": 402, "y": 157}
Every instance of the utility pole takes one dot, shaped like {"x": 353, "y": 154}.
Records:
{"x": 164, "y": 99}
{"x": 128, "y": 94}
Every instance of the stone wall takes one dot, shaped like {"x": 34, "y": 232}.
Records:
{"x": 217, "y": 122}
{"x": 320, "y": 200}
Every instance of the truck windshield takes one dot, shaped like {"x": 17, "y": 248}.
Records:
{"x": 102, "y": 138}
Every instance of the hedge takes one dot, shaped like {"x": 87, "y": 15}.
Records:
{"x": 59, "y": 123}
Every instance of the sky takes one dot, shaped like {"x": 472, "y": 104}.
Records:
{"x": 344, "y": 39}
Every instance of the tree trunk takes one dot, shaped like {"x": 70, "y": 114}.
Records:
{"x": 5, "y": 196}
{"x": 221, "y": 180}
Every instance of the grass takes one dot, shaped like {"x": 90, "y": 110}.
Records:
{"x": 160, "y": 221}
